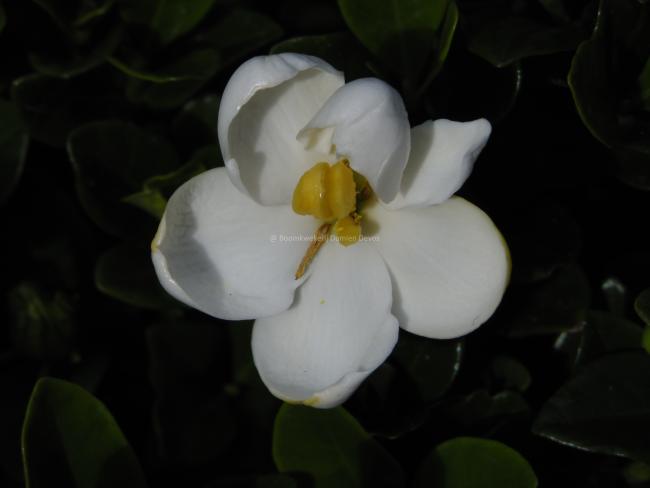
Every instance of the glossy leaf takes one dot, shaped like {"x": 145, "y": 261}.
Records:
{"x": 52, "y": 108}
{"x": 240, "y": 33}
{"x": 605, "y": 333}
{"x": 264, "y": 481}
{"x": 470, "y": 462}
{"x": 126, "y": 274}
{"x": 193, "y": 423}
{"x": 506, "y": 40}
{"x": 510, "y": 374}
{"x": 111, "y": 160}
{"x": 615, "y": 295}
{"x": 403, "y": 32}
{"x": 195, "y": 125}
{"x": 596, "y": 79}
{"x": 157, "y": 189}
{"x": 42, "y": 326}
{"x": 3, "y": 18}
{"x": 432, "y": 365}
{"x": 70, "y": 439}
{"x": 67, "y": 59}
{"x": 642, "y": 306}
{"x": 167, "y": 19}
{"x": 13, "y": 148}
{"x": 554, "y": 305}
{"x": 316, "y": 442}
{"x": 482, "y": 409}
{"x": 174, "y": 83}
{"x": 644, "y": 85}
{"x": 604, "y": 408}
{"x": 592, "y": 94}
{"x": 341, "y": 50}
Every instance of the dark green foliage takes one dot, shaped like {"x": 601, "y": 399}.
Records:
{"x": 108, "y": 106}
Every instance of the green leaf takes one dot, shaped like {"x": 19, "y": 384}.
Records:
{"x": 192, "y": 420}
{"x": 341, "y": 50}
{"x": 506, "y": 40}
{"x": 3, "y": 18}
{"x": 482, "y": 409}
{"x": 111, "y": 160}
{"x": 67, "y": 59}
{"x": 167, "y": 19}
{"x": 556, "y": 8}
{"x": 157, "y": 189}
{"x": 642, "y": 305}
{"x": 554, "y": 305}
{"x": 432, "y": 365}
{"x": 332, "y": 448}
{"x": 470, "y": 462}
{"x": 404, "y": 32}
{"x": 240, "y": 33}
{"x": 70, "y": 439}
{"x": 510, "y": 374}
{"x": 605, "y": 333}
{"x": 589, "y": 80}
{"x": 42, "y": 326}
{"x": 644, "y": 85}
{"x": 599, "y": 71}
{"x": 196, "y": 125}
{"x": 604, "y": 408}
{"x": 52, "y": 107}
{"x": 264, "y": 481}
{"x": 171, "y": 85}
{"x": 126, "y": 274}
{"x": 13, "y": 148}
{"x": 615, "y": 295}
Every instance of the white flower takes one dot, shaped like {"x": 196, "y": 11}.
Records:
{"x": 433, "y": 264}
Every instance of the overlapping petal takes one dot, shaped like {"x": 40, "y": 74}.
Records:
{"x": 442, "y": 157}
{"x": 339, "y": 329}
{"x": 265, "y": 104}
{"x": 220, "y": 252}
{"x": 371, "y": 129}
{"x": 448, "y": 263}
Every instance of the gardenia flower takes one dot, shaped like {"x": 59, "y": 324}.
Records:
{"x": 308, "y": 155}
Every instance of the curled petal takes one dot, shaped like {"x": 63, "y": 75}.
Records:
{"x": 338, "y": 330}
{"x": 371, "y": 129}
{"x": 442, "y": 157}
{"x": 448, "y": 263}
{"x": 219, "y": 251}
{"x": 265, "y": 104}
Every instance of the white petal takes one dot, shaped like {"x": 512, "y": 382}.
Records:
{"x": 442, "y": 157}
{"x": 265, "y": 104}
{"x": 219, "y": 251}
{"x": 448, "y": 263}
{"x": 338, "y": 330}
{"x": 371, "y": 129}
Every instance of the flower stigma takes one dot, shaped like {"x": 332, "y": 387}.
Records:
{"x": 331, "y": 194}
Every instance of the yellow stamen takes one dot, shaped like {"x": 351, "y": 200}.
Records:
{"x": 348, "y": 230}
{"x": 319, "y": 239}
{"x": 326, "y": 192}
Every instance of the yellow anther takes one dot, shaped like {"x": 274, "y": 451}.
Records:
{"x": 348, "y": 230}
{"x": 326, "y": 192}
{"x": 309, "y": 195}
{"x": 340, "y": 194}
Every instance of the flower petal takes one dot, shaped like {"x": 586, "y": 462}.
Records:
{"x": 219, "y": 251}
{"x": 337, "y": 332}
{"x": 448, "y": 263}
{"x": 371, "y": 129}
{"x": 442, "y": 157}
{"x": 265, "y": 104}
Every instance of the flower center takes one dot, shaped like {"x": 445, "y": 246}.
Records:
{"x": 331, "y": 193}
